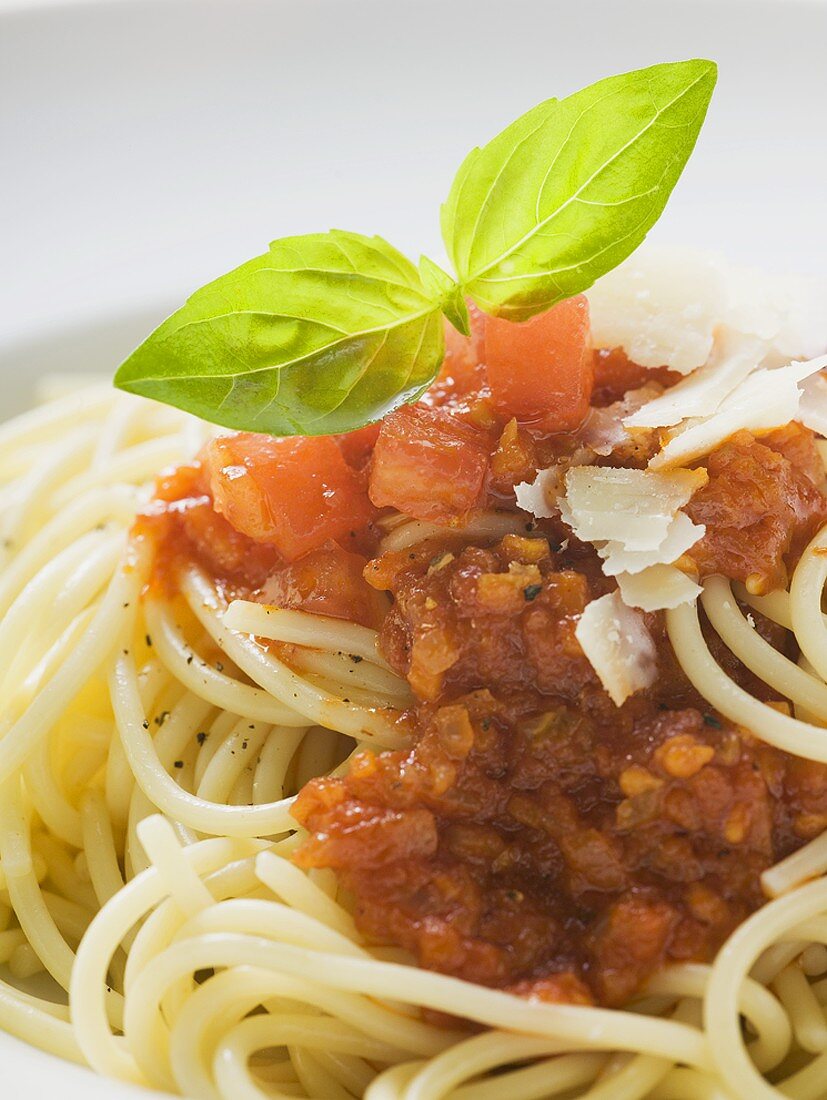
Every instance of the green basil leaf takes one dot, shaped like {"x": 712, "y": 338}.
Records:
{"x": 322, "y": 334}
{"x": 571, "y": 188}
{"x": 447, "y": 292}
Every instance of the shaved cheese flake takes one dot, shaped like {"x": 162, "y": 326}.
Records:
{"x": 661, "y": 307}
{"x": 631, "y": 507}
{"x": 785, "y": 310}
{"x": 657, "y": 588}
{"x": 539, "y": 497}
{"x": 618, "y": 646}
{"x": 734, "y": 357}
{"x": 681, "y": 536}
{"x": 812, "y": 409}
{"x": 766, "y": 399}
{"x": 665, "y": 306}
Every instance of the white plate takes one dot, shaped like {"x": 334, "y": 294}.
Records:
{"x": 148, "y": 145}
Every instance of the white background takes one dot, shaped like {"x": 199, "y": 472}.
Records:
{"x": 148, "y": 145}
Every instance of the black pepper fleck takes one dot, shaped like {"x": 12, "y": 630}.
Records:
{"x": 532, "y": 591}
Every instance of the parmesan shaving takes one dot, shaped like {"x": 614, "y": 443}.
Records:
{"x": 787, "y": 311}
{"x": 733, "y": 358}
{"x": 665, "y": 306}
{"x": 766, "y": 399}
{"x": 681, "y": 536}
{"x": 632, "y": 507}
{"x": 657, "y": 588}
{"x": 812, "y": 409}
{"x": 660, "y": 307}
{"x": 618, "y": 646}
{"x": 539, "y": 497}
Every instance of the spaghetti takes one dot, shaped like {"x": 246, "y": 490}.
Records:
{"x": 151, "y": 753}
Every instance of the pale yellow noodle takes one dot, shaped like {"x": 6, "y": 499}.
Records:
{"x": 149, "y": 757}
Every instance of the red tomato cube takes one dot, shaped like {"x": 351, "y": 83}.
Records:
{"x": 463, "y": 354}
{"x": 293, "y": 493}
{"x": 328, "y": 581}
{"x": 356, "y": 446}
{"x": 428, "y": 464}
{"x": 541, "y": 370}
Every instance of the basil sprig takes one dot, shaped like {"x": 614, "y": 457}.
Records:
{"x": 319, "y": 335}
{"x": 330, "y": 331}
{"x": 569, "y": 190}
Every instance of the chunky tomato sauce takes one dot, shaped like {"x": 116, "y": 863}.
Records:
{"x": 533, "y": 836}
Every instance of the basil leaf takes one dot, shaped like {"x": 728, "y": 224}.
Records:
{"x": 447, "y": 292}
{"x": 571, "y": 188}
{"x": 322, "y": 334}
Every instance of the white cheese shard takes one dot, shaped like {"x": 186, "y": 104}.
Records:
{"x": 766, "y": 399}
{"x": 665, "y": 306}
{"x": 618, "y": 646}
{"x": 681, "y": 536}
{"x": 734, "y": 357}
{"x": 657, "y": 588}
{"x": 787, "y": 311}
{"x": 632, "y": 507}
{"x": 538, "y": 497}
{"x": 812, "y": 409}
{"x": 661, "y": 307}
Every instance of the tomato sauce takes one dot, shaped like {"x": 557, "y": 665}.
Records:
{"x": 762, "y": 505}
{"x": 533, "y": 836}
{"x": 535, "y": 831}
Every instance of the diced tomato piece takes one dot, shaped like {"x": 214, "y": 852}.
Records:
{"x": 183, "y": 526}
{"x": 226, "y": 552}
{"x": 461, "y": 385}
{"x": 357, "y": 446}
{"x": 463, "y": 354}
{"x": 541, "y": 370}
{"x": 460, "y": 361}
{"x": 328, "y": 581}
{"x": 181, "y": 485}
{"x": 428, "y": 464}
{"x": 293, "y": 493}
